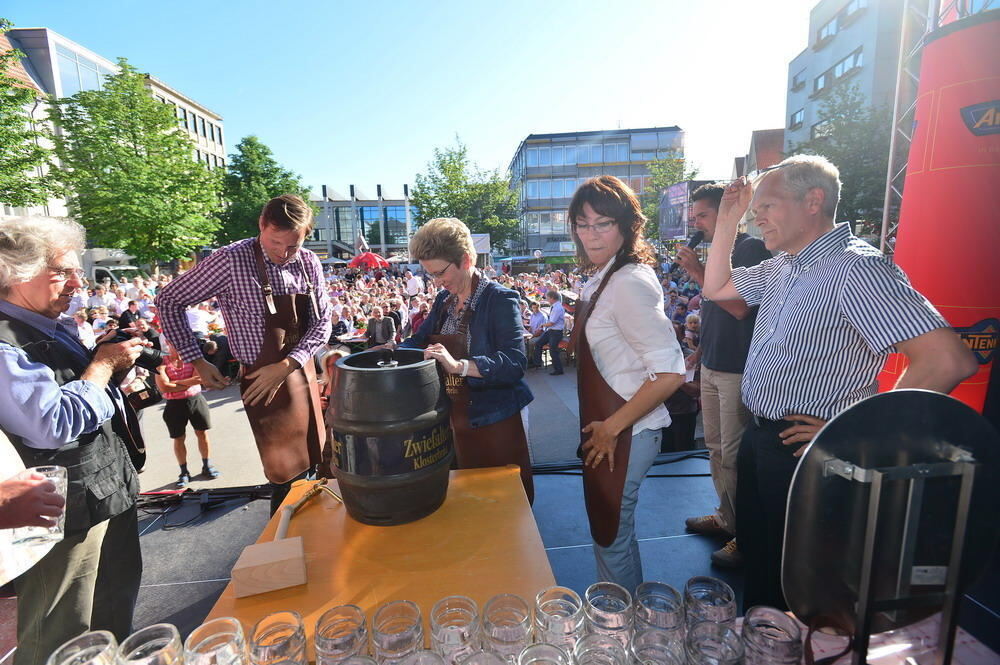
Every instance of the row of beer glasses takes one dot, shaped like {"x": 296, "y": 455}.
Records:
{"x": 659, "y": 626}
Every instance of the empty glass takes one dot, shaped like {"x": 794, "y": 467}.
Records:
{"x": 710, "y": 643}
{"x": 652, "y": 646}
{"x": 341, "y": 632}
{"x": 658, "y": 605}
{"x": 506, "y": 626}
{"x": 159, "y": 644}
{"x": 32, "y": 535}
{"x": 97, "y": 647}
{"x": 709, "y": 599}
{"x": 216, "y": 642}
{"x": 543, "y": 654}
{"x": 480, "y": 657}
{"x": 455, "y": 628}
{"x": 423, "y": 657}
{"x": 608, "y": 608}
{"x": 278, "y": 638}
{"x": 358, "y": 660}
{"x": 599, "y": 649}
{"x": 397, "y": 631}
{"x": 559, "y": 618}
{"x": 771, "y": 636}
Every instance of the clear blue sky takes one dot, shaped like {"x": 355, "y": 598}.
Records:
{"x": 350, "y": 92}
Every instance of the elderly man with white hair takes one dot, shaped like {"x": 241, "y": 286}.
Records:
{"x": 60, "y": 406}
{"x": 832, "y": 308}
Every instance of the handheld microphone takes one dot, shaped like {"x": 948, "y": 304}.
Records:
{"x": 693, "y": 242}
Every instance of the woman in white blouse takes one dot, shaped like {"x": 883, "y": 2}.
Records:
{"x": 629, "y": 363}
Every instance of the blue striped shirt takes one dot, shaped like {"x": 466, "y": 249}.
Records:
{"x": 829, "y": 316}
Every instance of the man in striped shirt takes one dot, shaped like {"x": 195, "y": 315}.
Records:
{"x": 832, "y": 308}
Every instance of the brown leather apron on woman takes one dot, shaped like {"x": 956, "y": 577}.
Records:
{"x": 289, "y": 431}
{"x": 602, "y": 488}
{"x": 498, "y": 444}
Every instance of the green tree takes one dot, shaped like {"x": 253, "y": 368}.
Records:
{"x": 253, "y": 177}
{"x": 854, "y": 135}
{"x": 130, "y": 169}
{"x": 454, "y": 187}
{"x": 663, "y": 173}
{"x": 22, "y": 154}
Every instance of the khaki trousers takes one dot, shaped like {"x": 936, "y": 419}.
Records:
{"x": 88, "y": 581}
{"x": 724, "y": 419}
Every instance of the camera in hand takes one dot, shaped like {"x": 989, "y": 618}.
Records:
{"x": 149, "y": 358}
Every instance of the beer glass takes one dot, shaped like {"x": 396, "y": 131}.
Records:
{"x": 423, "y": 657}
{"x": 506, "y": 626}
{"x": 559, "y": 618}
{"x": 543, "y": 654}
{"x": 771, "y": 637}
{"x": 341, "y": 632}
{"x": 159, "y": 644}
{"x": 710, "y": 643}
{"x": 652, "y": 646}
{"x": 709, "y": 599}
{"x": 98, "y": 647}
{"x": 397, "y": 631}
{"x": 455, "y": 628}
{"x": 608, "y": 607}
{"x": 599, "y": 649}
{"x": 216, "y": 642}
{"x": 279, "y": 637}
{"x": 32, "y": 535}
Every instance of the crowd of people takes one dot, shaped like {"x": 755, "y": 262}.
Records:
{"x": 733, "y": 335}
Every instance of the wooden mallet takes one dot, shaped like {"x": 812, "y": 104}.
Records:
{"x": 279, "y": 564}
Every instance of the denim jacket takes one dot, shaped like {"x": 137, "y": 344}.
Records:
{"x": 496, "y": 347}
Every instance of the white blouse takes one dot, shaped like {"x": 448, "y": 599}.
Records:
{"x": 630, "y": 337}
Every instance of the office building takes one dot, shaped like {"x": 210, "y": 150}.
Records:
{"x": 60, "y": 67}
{"x": 855, "y": 41}
{"x": 547, "y": 169}
{"x": 383, "y": 221}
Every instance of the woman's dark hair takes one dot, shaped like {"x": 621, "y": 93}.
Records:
{"x": 610, "y": 197}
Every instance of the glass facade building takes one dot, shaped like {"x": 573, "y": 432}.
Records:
{"x": 547, "y": 169}
{"x": 342, "y": 219}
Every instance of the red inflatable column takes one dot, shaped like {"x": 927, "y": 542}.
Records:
{"x": 949, "y": 232}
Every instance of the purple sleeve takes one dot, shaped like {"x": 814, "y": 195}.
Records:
{"x": 207, "y": 280}
{"x": 319, "y": 330}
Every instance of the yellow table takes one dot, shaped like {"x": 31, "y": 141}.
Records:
{"x": 481, "y": 542}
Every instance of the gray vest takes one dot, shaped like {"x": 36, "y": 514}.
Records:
{"x": 102, "y": 479}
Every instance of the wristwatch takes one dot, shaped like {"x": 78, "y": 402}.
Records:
{"x": 465, "y": 367}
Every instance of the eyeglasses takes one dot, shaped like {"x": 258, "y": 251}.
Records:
{"x": 599, "y": 228}
{"x": 63, "y": 274}
{"x": 440, "y": 274}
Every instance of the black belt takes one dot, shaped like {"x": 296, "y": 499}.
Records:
{"x": 766, "y": 423}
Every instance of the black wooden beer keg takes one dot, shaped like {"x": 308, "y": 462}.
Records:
{"x": 391, "y": 436}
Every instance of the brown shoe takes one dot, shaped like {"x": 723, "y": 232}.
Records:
{"x": 707, "y": 525}
{"x": 728, "y": 557}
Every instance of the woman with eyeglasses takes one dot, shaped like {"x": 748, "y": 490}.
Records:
{"x": 474, "y": 332}
{"x": 628, "y": 363}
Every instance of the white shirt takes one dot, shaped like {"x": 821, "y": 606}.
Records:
{"x": 414, "y": 285}
{"x": 198, "y": 320}
{"x": 100, "y": 301}
{"x": 630, "y": 337}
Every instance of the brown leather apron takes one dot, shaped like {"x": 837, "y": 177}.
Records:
{"x": 498, "y": 444}
{"x": 289, "y": 431}
{"x": 602, "y": 488}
